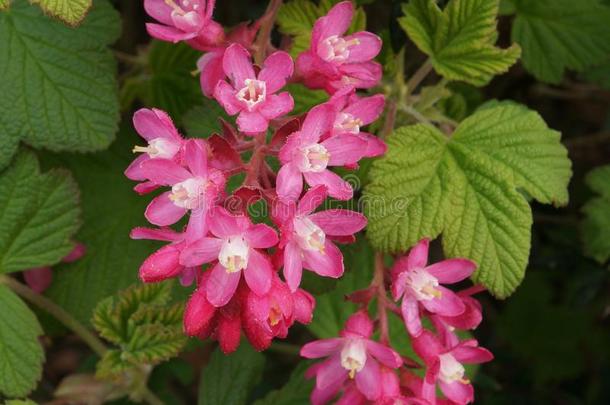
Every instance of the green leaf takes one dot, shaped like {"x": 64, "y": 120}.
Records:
{"x": 468, "y": 187}
{"x": 21, "y": 354}
{"x": 459, "y": 39}
{"x": 304, "y": 98}
{"x": 202, "y": 121}
{"x": 599, "y": 74}
{"x": 40, "y": 215}
{"x": 228, "y": 379}
{"x": 596, "y": 224}
{"x": 4, "y": 4}
{"x": 166, "y": 80}
{"x": 110, "y": 210}
{"x": 69, "y": 11}
{"x": 561, "y": 34}
{"x": 295, "y": 392}
{"x": 332, "y": 310}
{"x": 145, "y": 328}
{"x": 297, "y": 18}
{"x": 58, "y": 83}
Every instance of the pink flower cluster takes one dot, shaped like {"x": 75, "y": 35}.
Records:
{"x": 248, "y": 274}
{"x": 353, "y": 365}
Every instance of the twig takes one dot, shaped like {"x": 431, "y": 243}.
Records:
{"x": 379, "y": 284}
{"x": 419, "y": 76}
{"x": 264, "y": 35}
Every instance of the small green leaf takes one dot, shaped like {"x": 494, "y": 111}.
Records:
{"x": 71, "y": 12}
{"x": 202, "y": 121}
{"x": 58, "y": 83}
{"x": 467, "y": 187}
{"x": 40, "y": 215}
{"x": 304, "y": 98}
{"x": 332, "y": 310}
{"x": 561, "y": 34}
{"x": 228, "y": 379}
{"x": 295, "y": 392}
{"x": 596, "y": 224}
{"x": 459, "y": 39}
{"x": 21, "y": 354}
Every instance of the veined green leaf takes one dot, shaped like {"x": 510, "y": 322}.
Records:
{"x": 295, "y": 392}
{"x": 40, "y": 215}
{"x": 561, "y": 34}
{"x": 21, "y": 354}
{"x": 596, "y": 225}
{"x": 467, "y": 187}
{"x": 58, "y": 83}
{"x": 69, "y": 11}
{"x": 459, "y": 39}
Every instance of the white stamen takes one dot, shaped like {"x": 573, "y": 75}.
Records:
{"x": 189, "y": 193}
{"x": 353, "y": 356}
{"x": 253, "y": 93}
{"x": 234, "y": 254}
{"x": 314, "y": 158}
{"x": 451, "y": 370}
{"x": 346, "y": 122}
{"x": 423, "y": 285}
{"x": 336, "y": 49}
{"x": 159, "y": 148}
{"x": 309, "y": 235}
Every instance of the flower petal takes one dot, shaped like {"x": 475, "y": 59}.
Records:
{"x": 337, "y": 187}
{"x": 418, "y": 256}
{"x": 359, "y": 323}
{"x": 258, "y": 273}
{"x": 452, "y": 270}
{"x": 154, "y": 123}
{"x": 205, "y": 250}
{"x": 321, "y": 348}
{"x": 326, "y": 264}
{"x": 252, "y": 122}
{"x": 276, "y": 105}
{"x": 339, "y": 222}
{"x": 277, "y": 68}
{"x": 449, "y": 304}
{"x": 221, "y": 285}
{"x": 471, "y": 355}
{"x": 39, "y": 278}
{"x": 368, "y": 47}
{"x": 345, "y": 149}
{"x": 238, "y": 65}
{"x": 167, "y": 33}
{"x": 336, "y": 22}
{"x": 312, "y": 199}
{"x": 319, "y": 121}
{"x": 210, "y": 66}
{"x": 384, "y": 354}
{"x": 293, "y": 265}
{"x": 226, "y": 96}
{"x": 457, "y": 392}
{"x": 159, "y": 10}
{"x": 224, "y": 225}
{"x": 164, "y": 172}
{"x": 427, "y": 346}
{"x": 289, "y": 182}
{"x": 330, "y": 373}
{"x": 164, "y": 234}
{"x": 261, "y": 236}
{"x": 196, "y": 157}
{"x": 161, "y": 265}
{"x": 367, "y": 109}
{"x": 198, "y": 313}
{"x": 163, "y": 212}
{"x": 410, "y": 315}
{"x": 134, "y": 170}
{"x": 368, "y": 379}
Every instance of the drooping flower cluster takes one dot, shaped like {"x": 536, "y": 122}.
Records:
{"x": 248, "y": 271}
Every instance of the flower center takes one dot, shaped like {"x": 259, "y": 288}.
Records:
{"x": 346, "y": 122}
{"x": 309, "y": 235}
{"x": 451, "y": 370}
{"x": 336, "y": 48}
{"x": 234, "y": 254}
{"x": 275, "y": 314}
{"x": 353, "y": 356}
{"x": 159, "y": 148}
{"x": 423, "y": 285}
{"x": 189, "y": 193}
{"x": 314, "y": 158}
{"x": 183, "y": 7}
{"x": 253, "y": 93}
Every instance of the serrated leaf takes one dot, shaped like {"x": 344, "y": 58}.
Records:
{"x": 295, "y": 392}
{"x": 228, "y": 379}
{"x": 297, "y": 18}
{"x": 110, "y": 210}
{"x": 467, "y": 188}
{"x": 459, "y": 39}
{"x": 69, "y": 11}
{"x": 40, "y": 215}
{"x": 58, "y": 83}
{"x": 304, "y": 98}
{"x": 556, "y": 35}
{"x": 332, "y": 310}
{"x": 21, "y": 354}
{"x": 202, "y": 121}
{"x": 596, "y": 224}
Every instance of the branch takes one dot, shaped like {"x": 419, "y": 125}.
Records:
{"x": 264, "y": 35}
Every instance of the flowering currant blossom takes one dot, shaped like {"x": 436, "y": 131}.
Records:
{"x": 164, "y": 263}
{"x": 305, "y": 155}
{"x": 305, "y": 235}
{"x": 333, "y": 60}
{"x": 193, "y": 188}
{"x": 234, "y": 244}
{"x": 40, "y": 278}
{"x": 251, "y": 95}
{"x": 354, "y": 113}
{"x": 353, "y": 355}
{"x": 164, "y": 142}
{"x": 185, "y": 20}
{"x": 444, "y": 365}
{"x": 418, "y": 284}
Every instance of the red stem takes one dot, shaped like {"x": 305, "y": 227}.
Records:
{"x": 379, "y": 284}
{"x": 264, "y": 35}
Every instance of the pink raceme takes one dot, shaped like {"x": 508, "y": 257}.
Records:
{"x": 252, "y": 95}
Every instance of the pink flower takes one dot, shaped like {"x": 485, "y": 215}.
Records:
{"x": 353, "y": 355}
{"x": 164, "y": 263}
{"x": 251, "y": 95}
{"x": 164, "y": 142}
{"x": 335, "y": 61}
{"x": 352, "y": 113}
{"x": 272, "y": 314}
{"x": 40, "y": 278}
{"x": 419, "y": 284}
{"x": 305, "y": 155}
{"x": 305, "y": 235}
{"x": 193, "y": 188}
{"x": 445, "y": 366}
{"x": 185, "y": 20}
{"x": 234, "y": 244}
